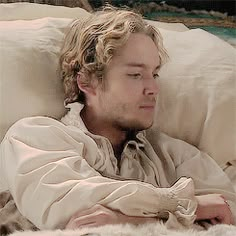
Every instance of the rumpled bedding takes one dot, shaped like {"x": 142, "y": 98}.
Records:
{"x": 10, "y": 218}
{"x": 150, "y": 229}
{"x": 14, "y": 224}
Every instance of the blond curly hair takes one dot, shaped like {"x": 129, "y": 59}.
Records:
{"x": 90, "y": 44}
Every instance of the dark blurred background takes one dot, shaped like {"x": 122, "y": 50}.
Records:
{"x": 215, "y": 5}
{"x": 216, "y": 16}
{"x": 223, "y": 6}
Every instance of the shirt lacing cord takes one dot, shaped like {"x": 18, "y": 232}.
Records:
{"x": 180, "y": 207}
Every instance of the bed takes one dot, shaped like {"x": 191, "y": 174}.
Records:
{"x": 196, "y": 102}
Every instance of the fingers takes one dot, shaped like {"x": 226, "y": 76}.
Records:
{"x": 94, "y": 216}
{"x": 89, "y": 211}
{"x": 224, "y": 215}
{"x": 215, "y": 208}
{"x": 86, "y": 221}
{"x": 83, "y": 215}
{"x": 214, "y": 221}
{"x": 228, "y": 219}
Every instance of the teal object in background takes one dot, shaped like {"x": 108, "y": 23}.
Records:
{"x": 226, "y": 33}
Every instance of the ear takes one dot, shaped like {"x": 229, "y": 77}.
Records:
{"x": 87, "y": 84}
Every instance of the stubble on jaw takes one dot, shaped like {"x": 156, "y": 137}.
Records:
{"x": 127, "y": 125}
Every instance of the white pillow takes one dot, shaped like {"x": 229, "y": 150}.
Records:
{"x": 168, "y": 26}
{"x": 197, "y": 99}
{"x": 30, "y": 11}
{"x": 29, "y": 85}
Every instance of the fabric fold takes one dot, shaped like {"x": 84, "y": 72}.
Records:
{"x": 183, "y": 190}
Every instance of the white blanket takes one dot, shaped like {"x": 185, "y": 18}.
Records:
{"x": 129, "y": 230}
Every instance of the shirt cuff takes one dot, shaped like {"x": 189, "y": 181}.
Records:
{"x": 184, "y": 213}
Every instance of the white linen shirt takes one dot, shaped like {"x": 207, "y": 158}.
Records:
{"x": 54, "y": 169}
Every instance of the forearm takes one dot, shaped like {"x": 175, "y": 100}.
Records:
{"x": 55, "y": 187}
{"x": 50, "y": 199}
{"x": 46, "y": 167}
{"x": 100, "y": 215}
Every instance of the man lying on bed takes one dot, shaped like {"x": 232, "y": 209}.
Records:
{"x": 96, "y": 166}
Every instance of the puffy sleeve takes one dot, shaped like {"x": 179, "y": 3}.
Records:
{"x": 190, "y": 162}
{"x": 43, "y": 162}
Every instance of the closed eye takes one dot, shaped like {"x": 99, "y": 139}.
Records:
{"x": 136, "y": 75}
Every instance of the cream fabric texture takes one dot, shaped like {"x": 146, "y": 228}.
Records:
{"x": 30, "y": 11}
{"x": 197, "y": 98}
{"x": 29, "y": 85}
{"x": 47, "y": 164}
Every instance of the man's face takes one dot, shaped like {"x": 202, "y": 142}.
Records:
{"x": 128, "y": 99}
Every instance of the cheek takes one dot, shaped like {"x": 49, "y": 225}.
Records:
{"x": 132, "y": 89}
{"x": 123, "y": 93}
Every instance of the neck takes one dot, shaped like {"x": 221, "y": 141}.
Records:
{"x": 101, "y": 127}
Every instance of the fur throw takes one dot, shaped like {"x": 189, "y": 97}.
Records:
{"x": 11, "y": 220}
{"x": 10, "y": 217}
{"x": 156, "y": 229}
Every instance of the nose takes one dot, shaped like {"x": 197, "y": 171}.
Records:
{"x": 151, "y": 87}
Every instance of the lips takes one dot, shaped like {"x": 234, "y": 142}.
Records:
{"x": 147, "y": 107}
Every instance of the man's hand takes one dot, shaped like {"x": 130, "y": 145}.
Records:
{"x": 213, "y": 207}
{"x": 99, "y": 215}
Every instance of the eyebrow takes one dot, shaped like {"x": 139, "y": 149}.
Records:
{"x": 133, "y": 64}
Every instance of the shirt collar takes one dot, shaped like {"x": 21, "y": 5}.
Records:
{"x": 73, "y": 118}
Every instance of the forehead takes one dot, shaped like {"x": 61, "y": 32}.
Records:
{"x": 138, "y": 50}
